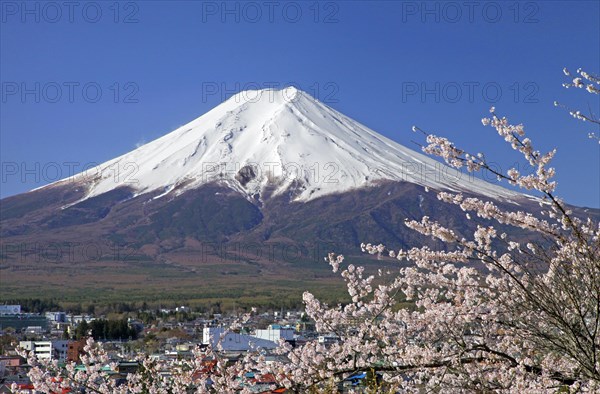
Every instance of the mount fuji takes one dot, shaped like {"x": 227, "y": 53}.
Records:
{"x": 273, "y": 139}
{"x": 253, "y": 193}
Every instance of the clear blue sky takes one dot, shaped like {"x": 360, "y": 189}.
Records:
{"x": 112, "y": 75}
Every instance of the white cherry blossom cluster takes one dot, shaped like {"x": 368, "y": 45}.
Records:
{"x": 589, "y": 82}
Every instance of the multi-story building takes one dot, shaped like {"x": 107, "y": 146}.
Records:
{"x": 56, "y": 317}
{"x": 46, "y": 350}
{"x": 20, "y": 321}
{"x": 230, "y": 341}
{"x": 75, "y": 350}
{"x": 275, "y": 332}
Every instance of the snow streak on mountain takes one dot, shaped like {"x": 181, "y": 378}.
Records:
{"x": 276, "y": 140}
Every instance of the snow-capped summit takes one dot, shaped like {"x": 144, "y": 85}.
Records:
{"x": 280, "y": 140}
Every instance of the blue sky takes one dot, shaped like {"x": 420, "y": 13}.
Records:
{"x": 85, "y": 82}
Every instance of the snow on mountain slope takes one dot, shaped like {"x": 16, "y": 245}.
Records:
{"x": 279, "y": 139}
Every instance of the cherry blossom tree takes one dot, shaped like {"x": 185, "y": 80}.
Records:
{"x": 489, "y": 313}
{"x": 589, "y": 82}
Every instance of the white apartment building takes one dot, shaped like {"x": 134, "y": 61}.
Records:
{"x": 232, "y": 341}
{"x": 275, "y": 332}
{"x": 46, "y": 350}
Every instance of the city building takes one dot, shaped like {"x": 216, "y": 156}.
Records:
{"x": 275, "y": 332}
{"x": 75, "y": 350}
{"x": 46, "y": 350}
{"x": 233, "y": 341}
{"x": 56, "y": 317}
{"x": 19, "y": 321}
{"x": 10, "y": 309}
